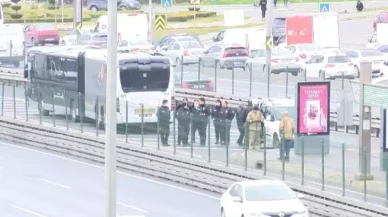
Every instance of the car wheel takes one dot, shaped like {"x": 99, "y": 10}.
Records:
{"x": 303, "y": 72}
{"x": 264, "y": 68}
{"x": 248, "y": 68}
{"x": 94, "y": 8}
{"x": 275, "y": 141}
{"x": 123, "y": 7}
{"x": 357, "y": 71}
{"x": 41, "y": 109}
{"x": 223, "y": 212}
{"x": 322, "y": 75}
{"x": 63, "y": 42}
{"x": 178, "y": 61}
{"x": 294, "y": 73}
{"x": 16, "y": 64}
{"x": 201, "y": 63}
{"x": 218, "y": 65}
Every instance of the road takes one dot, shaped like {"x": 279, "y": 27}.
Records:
{"x": 42, "y": 184}
{"x": 333, "y": 161}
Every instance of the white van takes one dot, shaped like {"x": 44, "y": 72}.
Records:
{"x": 11, "y": 43}
{"x": 129, "y": 26}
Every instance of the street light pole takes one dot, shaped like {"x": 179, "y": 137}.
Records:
{"x": 269, "y": 53}
{"x": 110, "y": 123}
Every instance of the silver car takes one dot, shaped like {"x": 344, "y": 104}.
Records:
{"x": 189, "y": 50}
{"x": 225, "y": 56}
{"x": 282, "y": 60}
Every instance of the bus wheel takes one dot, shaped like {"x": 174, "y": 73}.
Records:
{"x": 73, "y": 112}
{"x": 41, "y": 109}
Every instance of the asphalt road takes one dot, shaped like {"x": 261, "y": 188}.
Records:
{"x": 41, "y": 184}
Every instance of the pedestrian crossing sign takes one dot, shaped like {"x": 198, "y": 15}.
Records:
{"x": 324, "y": 7}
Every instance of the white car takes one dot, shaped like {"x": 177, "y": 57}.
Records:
{"x": 329, "y": 66}
{"x": 305, "y": 51}
{"x": 282, "y": 60}
{"x": 190, "y": 50}
{"x": 138, "y": 45}
{"x": 375, "y": 56}
{"x": 262, "y": 198}
{"x": 272, "y": 111}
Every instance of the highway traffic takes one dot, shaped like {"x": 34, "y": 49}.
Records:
{"x": 42, "y": 184}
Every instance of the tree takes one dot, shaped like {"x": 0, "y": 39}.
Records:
{"x": 16, "y": 7}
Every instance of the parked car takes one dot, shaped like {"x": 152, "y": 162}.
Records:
{"x": 138, "y": 45}
{"x": 190, "y": 50}
{"x": 381, "y": 18}
{"x": 375, "y": 56}
{"x": 225, "y": 56}
{"x": 329, "y": 66}
{"x": 305, "y": 51}
{"x": 189, "y": 80}
{"x": 283, "y": 60}
{"x": 102, "y": 5}
{"x": 166, "y": 41}
{"x": 86, "y": 39}
{"x": 41, "y": 34}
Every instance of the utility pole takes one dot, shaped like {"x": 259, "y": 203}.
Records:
{"x": 110, "y": 129}
{"x": 77, "y": 14}
{"x": 269, "y": 37}
{"x": 151, "y": 20}
{"x": 364, "y": 170}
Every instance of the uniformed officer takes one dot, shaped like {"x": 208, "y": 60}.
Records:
{"x": 164, "y": 116}
{"x": 286, "y": 130}
{"x": 226, "y": 116}
{"x": 215, "y": 113}
{"x": 263, "y": 6}
{"x": 200, "y": 112}
{"x": 183, "y": 116}
{"x": 240, "y": 114}
{"x": 255, "y": 121}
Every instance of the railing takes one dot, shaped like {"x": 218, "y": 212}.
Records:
{"x": 204, "y": 175}
{"x": 235, "y": 101}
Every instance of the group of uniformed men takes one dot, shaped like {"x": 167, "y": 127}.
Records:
{"x": 194, "y": 117}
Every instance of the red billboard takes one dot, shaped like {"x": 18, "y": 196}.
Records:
{"x": 299, "y": 30}
{"x": 313, "y": 111}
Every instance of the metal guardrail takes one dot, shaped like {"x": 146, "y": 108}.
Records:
{"x": 192, "y": 172}
{"x": 234, "y": 101}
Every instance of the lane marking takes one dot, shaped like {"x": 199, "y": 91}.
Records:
{"x": 119, "y": 172}
{"x": 131, "y": 207}
{"x": 54, "y": 183}
{"x": 27, "y": 211}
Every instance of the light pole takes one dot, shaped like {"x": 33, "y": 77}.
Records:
{"x": 110, "y": 123}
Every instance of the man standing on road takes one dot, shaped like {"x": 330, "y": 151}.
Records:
{"x": 255, "y": 122}
{"x": 200, "y": 112}
{"x": 226, "y": 117}
{"x": 164, "y": 116}
{"x": 216, "y": 119}
{"x": 183, "y": 116}
{"x": 263, "y": 6}
{"x": 286, "y": 130}
{"x": 240, "y": 114}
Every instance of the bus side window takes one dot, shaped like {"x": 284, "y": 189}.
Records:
{"x": 38, "y": 67}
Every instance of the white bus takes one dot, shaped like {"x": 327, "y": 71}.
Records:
{"x": 76, "y": 77}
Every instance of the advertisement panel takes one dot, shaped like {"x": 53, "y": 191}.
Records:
{"x": 313, "y": 108}
{"x": 299, "y": 30}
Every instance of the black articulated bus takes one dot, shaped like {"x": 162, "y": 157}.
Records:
{"x": 73, "y": 79}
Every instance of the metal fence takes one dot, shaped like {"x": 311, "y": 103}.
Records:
{"x": 333, "y": 170}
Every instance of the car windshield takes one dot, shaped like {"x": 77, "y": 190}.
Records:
{"x": 45, "y": 26}
{"x": 269, "y": 193}
{"x": 191, "y": 45}
{"x": 371, "y": 53}
{"x": 338, "y": 59}
{"x": 280, "y": 109}
{"x": 185, "y": 39}
{"x": 101, "y": 38}
{"x": 308, "y": 47}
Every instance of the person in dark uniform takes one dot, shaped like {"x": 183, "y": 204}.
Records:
{"x": 216, "y": 119}
{"x": 164, "y": 116}
{"x": 185, "y": 102}
{"x": 240, "y": 114}
{"x": 247, "y": 109}
{"x": 200, "y": 112}
{"x": 359, "y": 6}
{"x": 226, "y": 117}
{"x": 194, "y": 122}
{"x": 183, "y": 116}
{"x": 263, "y": 6}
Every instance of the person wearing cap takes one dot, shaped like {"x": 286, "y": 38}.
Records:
{"x": 240, "y": 114}
{"x": 183, "y": 116}
{"x": 286, "y": 130}
{"x": 215, "y": 114}
{"x": 200, "y": 112}
{"x": 226, "y": 117}
{"x": 255, "y": 121}
{"x": 164, "y": 117}
{"x": 185, "y": 102}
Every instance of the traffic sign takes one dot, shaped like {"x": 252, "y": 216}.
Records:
{"x": 160, "y": 22}
{"x": 268, "y": 43}
{"x": 195, "y": 2}
{"x": 79, "y": 28}
{"x": 324, "y": 7}
{"x": 166, "y": 3}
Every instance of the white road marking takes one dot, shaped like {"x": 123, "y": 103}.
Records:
{"x": 54, "y": 183}
{"x": 27, "y": 211}
{"x": 131, "y": 207}
{"x": 119, "y": 172}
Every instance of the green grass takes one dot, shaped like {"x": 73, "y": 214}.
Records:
{"x": 217, "y": 18}
{"x": 250, "y": 2}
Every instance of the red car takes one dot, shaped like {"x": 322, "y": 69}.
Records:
{"x": 41, "y": 34}
{"x": 381, "y": 18}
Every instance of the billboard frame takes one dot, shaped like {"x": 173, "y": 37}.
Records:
{"x": 299, "y": 85}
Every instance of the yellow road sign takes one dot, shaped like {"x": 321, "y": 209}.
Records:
{"x": 160, "y": 22}
{"x": 268, "y": 42}
{"x": 79, "y": 28}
